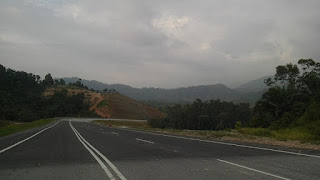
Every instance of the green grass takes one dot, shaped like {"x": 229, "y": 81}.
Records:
{"x": 103, "y": 103}
{"x": 309, "y": 133}
{"x": 12, "y": 127}
{"x": 256, "y": 131}
{"x": 5, "y": 123}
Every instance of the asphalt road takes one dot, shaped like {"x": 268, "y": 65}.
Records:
{"x": 81, "y": 150}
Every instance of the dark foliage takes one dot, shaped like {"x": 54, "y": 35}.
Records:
{"x": 294, "y": 90}
{"x": 209, "y": 115}
{"x": 21, "y": 98}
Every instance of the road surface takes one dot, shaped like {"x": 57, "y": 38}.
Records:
{"x": 71, "y": 149}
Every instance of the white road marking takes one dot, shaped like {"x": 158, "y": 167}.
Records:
{"x": 225, "y": 143}
{"x": 103, "y": 166}
{"x": 26, "y": 139}
{"x": 115, "y": 133}
{"x": 144, "y": 141}
{"x": 101, "y": 155}
{"x": 253, "y": 169}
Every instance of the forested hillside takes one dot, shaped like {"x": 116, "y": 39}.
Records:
{"x": 21, "y": 98}
{"x": 109, "y": 104}
{"x": 178, "y": 95}
{"x": 291, "y": 104}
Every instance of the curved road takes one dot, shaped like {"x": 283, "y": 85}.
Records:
{"x": 74, "y": 149}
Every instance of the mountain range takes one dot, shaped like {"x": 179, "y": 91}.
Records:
{"x": 249, "y": 92}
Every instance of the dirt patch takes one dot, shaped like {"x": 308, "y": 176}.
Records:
{"x": 115, "y": 105}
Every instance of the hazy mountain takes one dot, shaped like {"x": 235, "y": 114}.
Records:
{"x": 178, "y": 95}
{"x": 254, "y": 86}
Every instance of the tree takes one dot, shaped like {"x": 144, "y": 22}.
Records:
{"x": 292, "y": 90}
{"x": 62, "y": 82}
{"x": 48, "y": 80}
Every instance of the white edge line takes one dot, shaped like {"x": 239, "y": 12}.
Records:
{"x": 103, "y": 166}
{"x": 253, "y": 169}
{"x": 144, "y": 141}
{"x": 104, "y": 158}
{"x": 224, "y": 143}
{"x": 26, "y": 139}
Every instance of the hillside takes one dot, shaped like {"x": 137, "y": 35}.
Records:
{"x": 111, "y": 105}
{"x": 254, "y": 86}
{"x": 178, "y": 95}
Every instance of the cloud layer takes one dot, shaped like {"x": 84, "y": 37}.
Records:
{"x": 166, "y": 44}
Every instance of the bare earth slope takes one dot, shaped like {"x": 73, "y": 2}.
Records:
{"x": 111, "y": 105}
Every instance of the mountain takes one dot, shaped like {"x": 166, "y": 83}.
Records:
{"x": 254, "y": 86}
{"x": 178, "y": 95}
{"x": 110, "y": 105}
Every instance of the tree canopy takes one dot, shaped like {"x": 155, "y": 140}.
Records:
{"x": 293, "y": 90}
{"x": 21, "y": 98}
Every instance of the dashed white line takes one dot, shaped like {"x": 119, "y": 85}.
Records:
{"x": 269, "y": 174}
{"x": 101, "y": 155}
{"x": 150, "y": 142}
{"x": 115, "y": 133}
{"x": 26, "y": 139}
{"x": 225, "y": 143}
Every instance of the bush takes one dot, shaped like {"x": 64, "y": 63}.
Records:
{"x": 158, "y": 123}
{"x": 238, "y": 125}
{"x": 256, "y": 131}
{"x": 283, "y": 122}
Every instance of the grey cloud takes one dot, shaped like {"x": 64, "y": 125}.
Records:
{"x": 193, "y": 43}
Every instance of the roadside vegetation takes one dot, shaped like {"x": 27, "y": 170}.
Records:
{"x": 22, "y": 100}
{"x": 7, "y": 127}
{"x": 288, "y": 110}
{"x": 125, "y": 124}
{"x": 248, "y": 135}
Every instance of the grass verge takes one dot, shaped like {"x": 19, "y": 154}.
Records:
{"x": 144, "y": 126}
{"x": 286, "y": 137}
{"x": 126, "y": 124}
{"x": 12, "y": 127}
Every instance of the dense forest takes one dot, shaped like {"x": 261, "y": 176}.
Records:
{"x": 21, "y": 97}
{"x": 293, "y": 99}
{"x": 208, "y": 115}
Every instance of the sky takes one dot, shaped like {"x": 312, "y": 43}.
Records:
{"x": 152, "y": 43}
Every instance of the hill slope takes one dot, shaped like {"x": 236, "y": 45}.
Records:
{"x": 254, "y": 86}
{"x": 112, "y": 105}
{"x": 178, "y": 95}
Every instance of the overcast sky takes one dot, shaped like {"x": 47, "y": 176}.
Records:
{"x": 158, "y": 43}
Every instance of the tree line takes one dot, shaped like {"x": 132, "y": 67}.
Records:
{"x": 293, "y": 99}
{"x": 294, "y": 95}
{"x": 208, "y": 115}
{"x": 21, "y": 98}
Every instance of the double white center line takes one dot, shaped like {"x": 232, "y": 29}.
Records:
{"x": 90, "y": 148}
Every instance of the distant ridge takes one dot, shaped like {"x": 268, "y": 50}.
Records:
{"x": 254, "y": 86}
{"x": 178, "y": 95}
